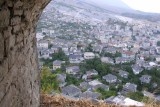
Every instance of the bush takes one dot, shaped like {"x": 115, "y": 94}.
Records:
{"x": 72, "y": 80}
{"x": 158, "y": 43}
{"x": 48, "y": 81}
{"x": 60, "y": 56}
{"x": 105, "y": 93}
{"x": 138, "y": 96}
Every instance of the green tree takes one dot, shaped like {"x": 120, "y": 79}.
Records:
{"x": 73, "y": 80}
{"x": 47, "y": 62}
{"x": 59, "y": 56}
{"x": 96, "y": 64}
{"x": 105, "y": 93}
{"x": 48, "y": 81}
{"x": 117, "y": 54}
{"x": 89, "y": 48}
{"x": 138, "y": 96}
{"x": 50, "y": 46}
{"x": 158, "y": 43}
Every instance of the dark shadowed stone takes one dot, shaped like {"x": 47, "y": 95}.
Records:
{"x": 1, "y": 47}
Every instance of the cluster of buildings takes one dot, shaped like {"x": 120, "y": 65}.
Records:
{"x": 134, "y": 41}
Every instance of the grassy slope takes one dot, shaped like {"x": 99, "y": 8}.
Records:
{"x": 59, "y": 101}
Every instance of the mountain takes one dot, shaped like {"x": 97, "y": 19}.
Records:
{"x": 119, "y": 7}
{"x": 154, "y": 17}
{"x": 103, "y": 3}
{"x": 112, "y": 5}
{"x": 100, "y": 9}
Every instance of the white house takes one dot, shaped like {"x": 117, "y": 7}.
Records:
{"x": 56, "y": 64}
{"x": 129, "y": 87}
{"x": 124, "y": 101}
{"x": 107, "y": 60}
{"x": 75, "y": 59}
{"x": 42, "y": 44}
{"x": 39, "y": 36}
{"x": 72, "y": 70}
{"x": 89, "y": 55}
{"x": 65, "y": 48}
{"x": 46, "y": 54}
{"x": 158, "y": 59}
{"x": 110, "y": 78}
{"x": 128, "y": 54}
{"x": 89, "y": 74}
{"x": 94, "y": 83}
{"x": 158, "y": 50}
{"x": 137, "y": 69}
{"x": 130, "y": 102}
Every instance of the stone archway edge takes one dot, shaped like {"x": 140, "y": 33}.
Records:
{"x": 19, "y": 75}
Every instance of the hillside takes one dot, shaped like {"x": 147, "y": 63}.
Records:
{"x": 91, "y": 8}
{"x": 88, "y": 49}
{"x": 59, "y": 101}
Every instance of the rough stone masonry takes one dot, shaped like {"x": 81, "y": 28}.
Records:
{"x": 19, "y": 75}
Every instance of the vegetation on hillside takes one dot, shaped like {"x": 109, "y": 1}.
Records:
{"x": 48, "y": 81}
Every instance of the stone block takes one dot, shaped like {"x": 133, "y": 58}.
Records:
{"x": 4, "y": 17}
{"x": 7, "y": 32}
{"x": 19, "y": 37}
{"x": 9, "y": 3}
{"x": 18, "y": 12}
{"x": 18, "y": 4}
{"x": 16, "y": 28}
{"x": 16, "y": 20}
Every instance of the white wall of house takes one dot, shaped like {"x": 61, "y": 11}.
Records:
{"x": 89, "y": 55}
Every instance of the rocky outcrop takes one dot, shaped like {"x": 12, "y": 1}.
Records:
{"x": 19, "y": 75}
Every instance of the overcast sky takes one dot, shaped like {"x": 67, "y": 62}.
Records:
{"x": 144, "y": 5}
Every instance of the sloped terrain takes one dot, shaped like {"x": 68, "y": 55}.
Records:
{"x": 59, "y": 101}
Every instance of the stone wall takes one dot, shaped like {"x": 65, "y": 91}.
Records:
{"x": 19, "y": 75}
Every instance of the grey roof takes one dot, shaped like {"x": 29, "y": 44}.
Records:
{"x": 110, "y": 50}
{"x": 107, "y": 60}
{"x": 123, "y": 59}
{"x": 89, "y": 94}
{"x": 116, "y": 99}
{"x": 109, "y": 100}
{"x": 57, "y": 63}
{"x": 145, "y": 78}
{"x": 42, "y": 41}
{"x": 97, "y": 48}
{"x": 74, "y": 68}
{"x": 61, "y": 77}
{"x": 137, "y": 68}
{"x": 71, "y": 90}
{"x": 74, "y": 56}
{"x": 92, "y": 71}
{"x": 158, "y": 98}
{"x": 123, "y": 73}
{"x": 64, "y": 46}
{"x": 140, "y": 62}
{"x": 85, "y": 85}
{"x": 46, "y": 51}
{"x": 78, "y": 53}
{"x": 109, "y": 77}
{"x": 55, "y": 46}
{"x": 130, "y": 87}
{"x": 103, "y": 86}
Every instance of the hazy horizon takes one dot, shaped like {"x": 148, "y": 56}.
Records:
{"x": 141, "y": 5}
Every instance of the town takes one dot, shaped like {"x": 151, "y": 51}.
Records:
{"x": 112, "y": 60}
